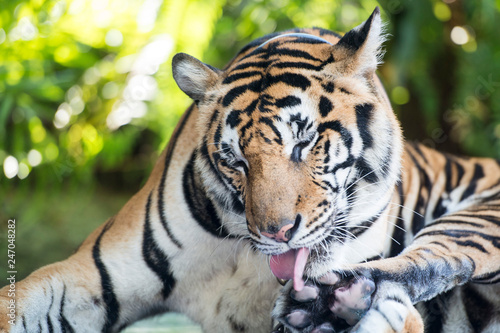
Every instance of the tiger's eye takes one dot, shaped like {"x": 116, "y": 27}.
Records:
{"x": 241, "y": 164}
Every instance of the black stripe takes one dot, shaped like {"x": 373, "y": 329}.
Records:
{"x": 417, "y": 149}
{"x": 418, "y": 220}
{"x": 237, "y": 91}
{"x": 301, "y": 123}
{"x": 307, "y": 40}
{"x": 288, "y": 102}
{"x": 200, "y": 206}
{"x": 491, "y": 206}
{"x": 366, "y": 172}
{"x": 435, "y": 310}
{"x": 299, "y": 65}
{"x": 238, "y": 76}
{"x": 218, "y": 135}
{"x": 168, "y": 158}
{"x": 203, "y": 154}
{"x": 470, "y": 243}
{"x": 440, "y": 209}
{"x": 395, "y": 299}
{"x": 265, "y": 103}
{"x": 49, "y": 324}
{"x": 236, "y": 203}
{"x": 333, "y": 236}
{"x": 291, "y": 79}
{"x": 337, "y": 127}
{"x": 495, "y": 219}
{"x": 323, "y": 32}
{"x": 452, "y": 168}
{"x": 488, "y": 277}
{"x": 364, "y": 226}
{"x": 452, "y": 220}
{"x": 233, "y": 118}
{"x": 243, "y": 131}
{"x": 440, "y": 244}
{"x": 154, "y": 257}
{"x": 213, "y": 118}
{"x": 398, "y": 242}
{"x": 490, "y": 281}
{"x": 269, "y": 122}
{"x": 457, "y": 233}
{"x": 448, "y": 173}
{"x": 251, "y": 107}
{"x": 460, "y": 173}
{"x": 377, "y": 257}
{"x": 363, "y": 116}
{"x": 65, "y": 325}
{"x": 325, "y": 106}
{"x": 479, "y": 310}
{"x": 470, "y": 190}
{"x": 329, "y": 87}
{"x": 346, "y": 164}
{"x": 283, "y": 51}
{"x": 161, "y": 212}
{"x": 49, "y": 320}
{"x": 383, "y": 314}
{"x": 108, "y": 295}
{"x": 259, "y": 53}
{"x": 245, "y": 65}
{"x": 345, "y": 91}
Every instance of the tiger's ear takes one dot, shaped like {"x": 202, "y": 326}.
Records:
{"x": 360, "y": 48}
{"x": 192, "y": 76}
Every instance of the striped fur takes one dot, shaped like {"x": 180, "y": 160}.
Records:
{"x": 297, "y": 129}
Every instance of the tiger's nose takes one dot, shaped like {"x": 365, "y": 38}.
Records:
{"x": 282, "y": 232}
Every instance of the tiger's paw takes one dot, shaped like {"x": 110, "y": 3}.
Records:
{"x": 331, "y": 305}
{"x": 353, "y": 304}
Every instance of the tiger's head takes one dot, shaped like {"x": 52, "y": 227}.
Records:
{"x": 300, "y": 147}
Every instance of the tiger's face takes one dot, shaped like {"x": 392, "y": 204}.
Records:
{"x": 301, "y": 148}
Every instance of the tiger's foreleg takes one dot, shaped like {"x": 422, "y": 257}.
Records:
{"x": 378, "y": 296}
{"x": 103, "y": 287}
{"x": 56, "y": 298}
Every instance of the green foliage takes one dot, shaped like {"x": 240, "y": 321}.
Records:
{"x": 447, "y": 56}
{"x": 87, "y": 84}
{"x": 87, "y": 99}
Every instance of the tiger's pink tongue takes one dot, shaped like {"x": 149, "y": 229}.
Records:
{"x": 290, "y": 265}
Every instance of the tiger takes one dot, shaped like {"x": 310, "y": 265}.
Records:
{"x": 287, "y": 201}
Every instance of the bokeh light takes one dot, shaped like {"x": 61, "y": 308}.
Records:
{"x": 62, "y": 117}
{"x": 34, "y": 157}
{"x": 442, "y": 11}
{"x": 400, "y": 95}
{"x": 459, "y": 35}
{"x": 24, "y": 170}
{"x": 10, "y": 167}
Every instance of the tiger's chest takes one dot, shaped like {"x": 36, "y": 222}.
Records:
{"x": 233, "y": 291}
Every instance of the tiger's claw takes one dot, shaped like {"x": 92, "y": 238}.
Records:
{"x": 332, "y": 306}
